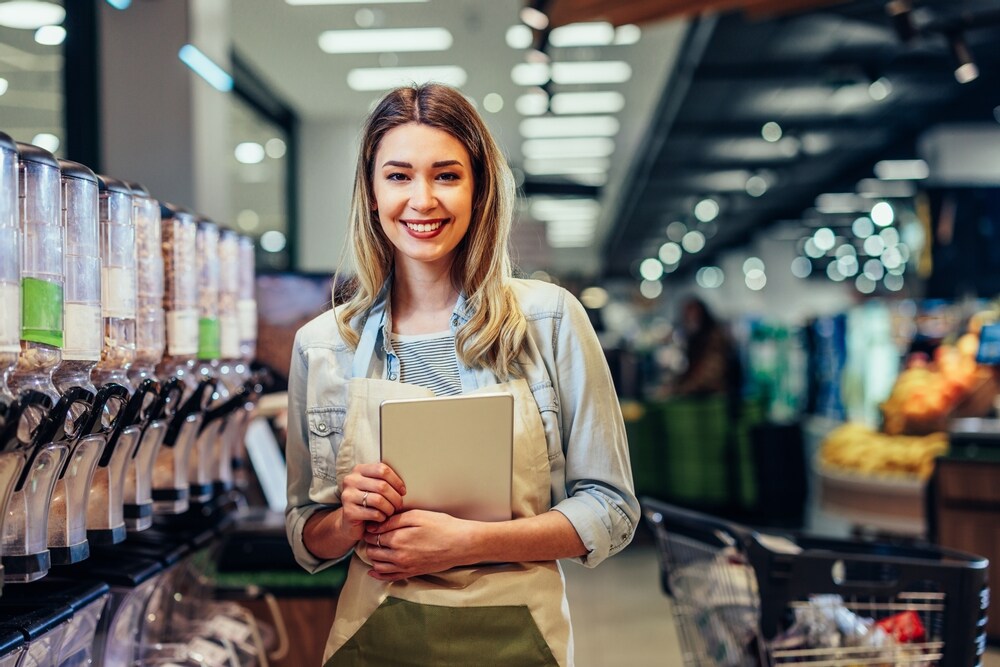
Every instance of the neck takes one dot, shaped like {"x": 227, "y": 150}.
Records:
{"x": 423, "y": 297}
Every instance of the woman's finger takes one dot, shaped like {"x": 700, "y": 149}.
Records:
{"x": 383, "y": 472}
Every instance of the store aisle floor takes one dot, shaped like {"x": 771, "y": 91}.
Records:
{"x": 621, "y": 617}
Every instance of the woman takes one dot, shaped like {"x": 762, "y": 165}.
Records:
{"x": 430, "y": 221}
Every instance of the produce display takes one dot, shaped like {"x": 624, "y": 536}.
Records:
{"x": 928, "y": 393}
{"x": 858, "y": 448}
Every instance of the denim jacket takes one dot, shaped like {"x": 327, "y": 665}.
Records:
{"x": 568, "y": 376}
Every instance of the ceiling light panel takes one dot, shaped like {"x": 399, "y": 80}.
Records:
{"x": 575, "y": 126}
{"x": 390, "y": 40}
{"x": 30, "y": 14}
{"x": 610, "y": 101}
{"x": 519, "y": 36}
{"x": 564, "y": 209}
{"x": 385, "y": 78}
{"x": 583, "y": 34}
{"x": 564, "y": 166}
{"x": 568, "y": 148}
{"x": 610, "y": 71}
{"x": 753, "y": 149}
{"x": 532, "y": 104}
{"x": 902, "y": 170}
{"x": 627, "y": 34}
{"x": 530, "y": 74}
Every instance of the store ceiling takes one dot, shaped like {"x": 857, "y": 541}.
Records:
{"x": 696, "y": 103}
{"x": 813, "y": 74}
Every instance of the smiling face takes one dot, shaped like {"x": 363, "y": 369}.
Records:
{"x": 423, "y": 187}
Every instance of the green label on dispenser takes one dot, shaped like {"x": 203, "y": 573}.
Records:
{"x": 41, "y": 312}
{"x": 209, "y": 340}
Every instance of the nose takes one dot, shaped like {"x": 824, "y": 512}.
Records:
{"x": 422, "y": 195}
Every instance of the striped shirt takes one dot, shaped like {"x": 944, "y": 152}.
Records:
{"x": 429, "y": 360}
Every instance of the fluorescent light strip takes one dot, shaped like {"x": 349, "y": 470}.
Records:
{"x": 384, "y": 78}
{"x": 583, "y": 34}
{"x": 840, "y": 202}
{"x": 568, "y": 148}
{"x": 303, "y": 3}
{"x": 627, "y": 34}
{"x": 519, "y": 36}
{"x": 563, "y": 209}
{"x": 30, "y": 14}
{"x": 532, "y": 104}
{"x": 530, "y": 74}
{"x": 206, "y": 68}
{"x": 611, "y": 71}
{"x": 551, "y": 167}
{"x": 379, "y": 41}
{"x": 902, "y": 170}
{"x": 578, "y": 126}
{"x": 578, "y": 103}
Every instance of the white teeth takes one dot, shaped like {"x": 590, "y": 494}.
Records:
{"x": 423, "y": 227}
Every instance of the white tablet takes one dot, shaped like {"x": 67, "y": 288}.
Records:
{"x": 454, "y": 453}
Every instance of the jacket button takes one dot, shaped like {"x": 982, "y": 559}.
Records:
{"x": 392, "y": 376}
{"x": 322, "y": 427}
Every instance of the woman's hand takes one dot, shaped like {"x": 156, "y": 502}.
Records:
{"x": 371, "y": 492}
{"x": 418, "y": 542}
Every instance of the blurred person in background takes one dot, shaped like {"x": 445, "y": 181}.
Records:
{"x": 713, "y": 366}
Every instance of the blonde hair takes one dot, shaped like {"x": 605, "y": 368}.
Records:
{"x": 495, "y": 333}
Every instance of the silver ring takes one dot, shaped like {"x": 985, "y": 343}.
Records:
{"x": 378, "y": 540}
{"x": 364, "y": 500}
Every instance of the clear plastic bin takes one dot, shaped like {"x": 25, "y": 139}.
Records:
{"x": 180, "y": 293}
{"x": 10, "y": 264}
{"x": 43, "y": 626}
{"x": 150, "y": 332}
{"x": 42, "y": 281}
{"x": 82, "y": 296}
{"x": 247, "y": 304}
{"x": 207, "y": 257}
{"x": 118, "y": 283}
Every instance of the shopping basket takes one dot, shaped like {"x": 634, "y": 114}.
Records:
{"x": 737, "y": 593}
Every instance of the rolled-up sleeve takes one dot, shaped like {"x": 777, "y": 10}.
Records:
{"x": 601, "y": 502}
{"x": 299, "y": 465}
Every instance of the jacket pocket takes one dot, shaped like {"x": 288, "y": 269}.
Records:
{"x": 326, "y": 432}
{"x": 547, "y": 401}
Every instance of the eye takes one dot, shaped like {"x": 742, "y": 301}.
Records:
{"x": 396, "y": 176}
{"x": 449, "y": 176}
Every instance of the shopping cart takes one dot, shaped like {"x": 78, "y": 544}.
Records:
{"x": 738, "y": 592}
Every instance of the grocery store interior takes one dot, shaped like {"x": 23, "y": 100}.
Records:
{"x": 781, "y": 216}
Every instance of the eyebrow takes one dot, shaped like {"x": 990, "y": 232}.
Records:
{"x": 407, "y": 165}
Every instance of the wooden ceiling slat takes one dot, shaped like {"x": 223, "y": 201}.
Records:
{"x": 562, "y": 12}
{"x": 758, "y": 9}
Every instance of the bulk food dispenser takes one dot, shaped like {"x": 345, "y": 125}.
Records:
{"x": 200, "y": 473}
{"x": 41, "y": 272}
{"x": 232, "y": 423}
{"x": 247, "y": 306}
{"x": 150, "y": 344}
{"x": 82, "y": 293}
{"x": 10, "y": 266}
{"x": 10, "y": 316}
{"x": 67, "y": 536}
{"x": 180, "y": 303}
{"x": 118, "y": 283}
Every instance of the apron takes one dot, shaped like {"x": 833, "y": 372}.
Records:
{"x": 512, "y": 614}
